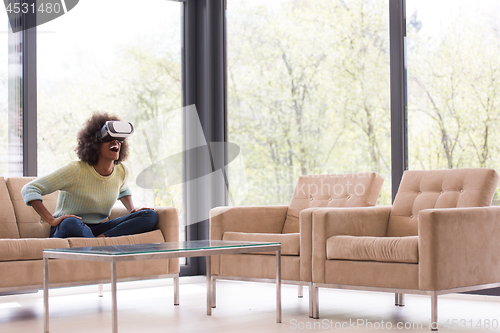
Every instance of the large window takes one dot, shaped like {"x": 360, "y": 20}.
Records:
{"x": 309, "y": 91}
{"x": 4, "y": 97}
{"x": 454, "y": 83}
{"x": 11, "y": 146}
{"x": 122, "y": 57}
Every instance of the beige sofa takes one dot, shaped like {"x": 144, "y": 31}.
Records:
{"x": 438, "y": 237}
{"x": 23, "y": 236}
{"x": 283, "y": 223}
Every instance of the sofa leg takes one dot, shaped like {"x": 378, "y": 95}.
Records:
{"x": 176, "y": 289}
{"x": 434, "y": 311}
{"x": 396, "y": 299}
{"x": 401, "y": 301}
{"x": 100, "y": 290}
{"x": 315, "y": 302}
{"x": 301, "y": 290}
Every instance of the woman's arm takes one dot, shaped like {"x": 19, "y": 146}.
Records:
{"x": 40, "y": 208}
{"x": 127, "y": 202}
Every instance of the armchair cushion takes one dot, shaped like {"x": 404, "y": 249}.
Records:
{"x": 385, "y": 249}
{"x": 431, "y": 189}
{"x": 344, "y": 190}
{"x": 290, "y": 243}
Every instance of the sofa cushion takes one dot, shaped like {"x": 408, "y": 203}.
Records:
{"x": 29, "y": 222}
{"x": 385, "y": 249}
{"x": 28, "y": 248}
{"x": 431, "y": 189}
{"x": 8, "y": 225}
{"x": 290, "y": 243}
{"x": 155, "y": 236}
{"x": 342, "y": 190}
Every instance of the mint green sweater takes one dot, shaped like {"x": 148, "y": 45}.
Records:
{"x": 82, "y": 190}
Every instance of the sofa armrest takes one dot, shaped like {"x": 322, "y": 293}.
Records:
{"x": 254, "y": 219}
{"x": 458, "y": 247}
{"x": 328, "y": 222}
{"x": 168, "y": 223}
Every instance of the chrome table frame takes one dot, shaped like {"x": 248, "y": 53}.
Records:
{"x": 113, "y": 259}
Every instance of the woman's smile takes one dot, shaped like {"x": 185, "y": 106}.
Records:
{"x": 110, "y": 150}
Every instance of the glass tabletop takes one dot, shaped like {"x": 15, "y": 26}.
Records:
{"x": 114, "y": 250}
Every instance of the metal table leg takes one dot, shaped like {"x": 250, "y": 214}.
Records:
{"x": 176, "y": 290}
{"x": 113, "y": 298}
{"x": 100, "y": 290}
{"x": 45, "y": 295}
{"x": 214, "y": 292}
{"x": 278, "y": 285}
{"x": 209, "y": 285}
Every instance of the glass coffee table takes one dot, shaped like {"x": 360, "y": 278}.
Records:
{"x": 135, "y": 252}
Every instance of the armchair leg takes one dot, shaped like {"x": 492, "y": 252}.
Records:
{"x": 311, "y": 300}
{"x": 315, "y": 302}
{"x": 400, "y": 299}
{"x": 301, "y": 290}
{"x": 434, "y": 311}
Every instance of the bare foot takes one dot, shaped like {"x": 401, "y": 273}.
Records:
{"x": 100, "y": 236}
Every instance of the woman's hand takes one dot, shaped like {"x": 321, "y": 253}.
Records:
{"x": 138, "y": 209}
{"x": 55, "y": 221}
{"x": 40, "y": 208}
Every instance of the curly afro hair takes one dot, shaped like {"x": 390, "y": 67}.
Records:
{"x": 88, "y": 145}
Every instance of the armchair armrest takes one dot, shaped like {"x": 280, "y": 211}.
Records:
{"x": 327, "y": 222}
{"x": 458, "y": 247}
{"x": 256, "y": 219}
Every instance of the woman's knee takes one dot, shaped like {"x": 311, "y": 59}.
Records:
{"x": 72, "y": 227}
{"x": 70, "y": 222}
{"x": 151, "y": 216}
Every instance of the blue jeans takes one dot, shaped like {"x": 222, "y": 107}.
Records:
{"x": 135, "y": 223}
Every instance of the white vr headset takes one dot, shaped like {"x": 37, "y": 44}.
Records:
{"x": 115, "y": 130}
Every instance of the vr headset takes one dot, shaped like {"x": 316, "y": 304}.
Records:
{"x": 115, "y": 130}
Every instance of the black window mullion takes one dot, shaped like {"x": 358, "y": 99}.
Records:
{"x": 399, "y": 121}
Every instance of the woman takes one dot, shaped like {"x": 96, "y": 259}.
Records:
{"x": 89, "y": 188}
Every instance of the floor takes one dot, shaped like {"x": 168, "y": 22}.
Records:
{"x": 147, "y": 306}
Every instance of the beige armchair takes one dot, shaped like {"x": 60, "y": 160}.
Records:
{"x": 281, "y": 224}
{"x": 439, "y": 237}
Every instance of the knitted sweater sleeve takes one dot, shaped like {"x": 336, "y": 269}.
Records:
{"x": 58, "y": 180}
